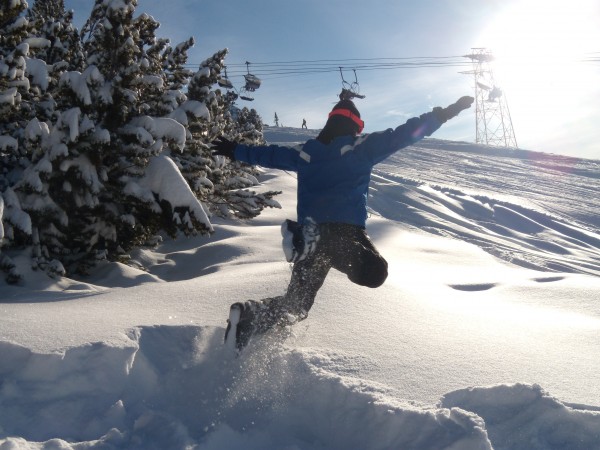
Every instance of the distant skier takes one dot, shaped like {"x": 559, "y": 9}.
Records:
{"x": 333, "y": 179}
{"x": 304, "y": 124}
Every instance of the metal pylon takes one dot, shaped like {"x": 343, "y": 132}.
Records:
{"x": 493, "y": 124}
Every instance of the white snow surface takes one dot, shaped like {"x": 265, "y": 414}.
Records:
{"x": 485, "y": 335}
{"x": 77, "y": 82}
{"x": 8, "y": 142}
{"x": 160, "y": 128}
{"x": 165, "y": 180}
{"x": 38, "y": 70}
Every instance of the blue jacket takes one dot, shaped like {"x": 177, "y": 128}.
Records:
{"x": 333, "y": 179}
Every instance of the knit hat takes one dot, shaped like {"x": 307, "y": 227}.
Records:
{"x": 344, "y": 120}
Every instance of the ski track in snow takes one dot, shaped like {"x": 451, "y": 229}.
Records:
{"x": 171, "y": 386}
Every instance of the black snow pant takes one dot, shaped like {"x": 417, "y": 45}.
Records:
{"x": 344, "y": 247}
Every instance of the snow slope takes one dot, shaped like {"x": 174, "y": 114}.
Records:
{"x": 486, "y": 334}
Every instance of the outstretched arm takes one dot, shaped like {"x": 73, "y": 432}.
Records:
{"x": 445, "y": 114}
{"x": 273, "y": 156}
{"x": 380, "y": 145}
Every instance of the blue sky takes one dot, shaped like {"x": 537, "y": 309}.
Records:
{"x": 552, "y": 95}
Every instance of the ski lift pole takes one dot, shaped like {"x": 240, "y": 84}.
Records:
{"x": 344, "y": 83}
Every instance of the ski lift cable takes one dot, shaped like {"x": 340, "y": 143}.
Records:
{"x": 325, "y": 65}
{"x": 276, "y": 76}
{"x": 295, "y": 68}
{"x": 337, "y": 62}
{"x": 308, "y": 69}
{"x": 311, "y": 69}
{"x": 332, "y": 68}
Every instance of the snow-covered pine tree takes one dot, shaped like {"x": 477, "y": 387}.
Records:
{"x": 14, "y": 28}
{"x": 17, "y": 108}
{"x": 43, "y": 129}
{"x": 119, "y": 186}
{"x": 54, "y": 23}
{"x": 14, "y": 84}
{"x": 220, "y": 184}
{"x": 247, "y": 129}
{"x": 204, "y": 114}
{"x": 53, "y": 49}
{"x": 47, "y": 9}
{"x": 95, "y": 135}
{"x": 174, "y": 63}
{"x": 56, "y": 137}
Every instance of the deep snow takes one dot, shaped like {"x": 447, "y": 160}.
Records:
{"x": 486, "y": 334}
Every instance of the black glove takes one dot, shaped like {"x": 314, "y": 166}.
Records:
{"x": 224, "y": 147}
{"x": 444, "y": 114}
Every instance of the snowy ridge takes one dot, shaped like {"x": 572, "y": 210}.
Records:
{"x": 561, "y": 185}
{"x": 485, "y": 335}
{"x": 288, "y": 135}
{"x": 152, "y": 388}
{"x": 518, "y": 234}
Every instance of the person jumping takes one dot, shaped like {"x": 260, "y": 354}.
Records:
{"x": 334, "y": 172}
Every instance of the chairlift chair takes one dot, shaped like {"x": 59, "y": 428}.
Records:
{"x": 494, "y": 94}
{"x": 251, "y": 85}
{"x": 252, "y": 81}
{"x": 224, "y": 81}
{"x": 483, "y": 86}
{"x": 350, "y": 90}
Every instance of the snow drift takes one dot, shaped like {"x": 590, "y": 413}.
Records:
{"x": 174, "y": 388}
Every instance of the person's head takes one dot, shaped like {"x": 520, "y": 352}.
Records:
{"x": 344, "y": 120}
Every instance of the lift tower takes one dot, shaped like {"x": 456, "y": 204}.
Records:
{"x": 493, "y": 124}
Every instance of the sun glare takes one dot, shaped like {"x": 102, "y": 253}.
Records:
{"x": 548, "y": 33}
{"x": 539, "y": 48}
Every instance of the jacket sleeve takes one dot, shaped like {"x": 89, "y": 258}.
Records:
{"x": 272, "y": 156}
{"x": 379, "y": 145}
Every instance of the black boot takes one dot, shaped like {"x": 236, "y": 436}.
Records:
{"x": 252, "y": 317}
{"x": 240, "y": 324}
